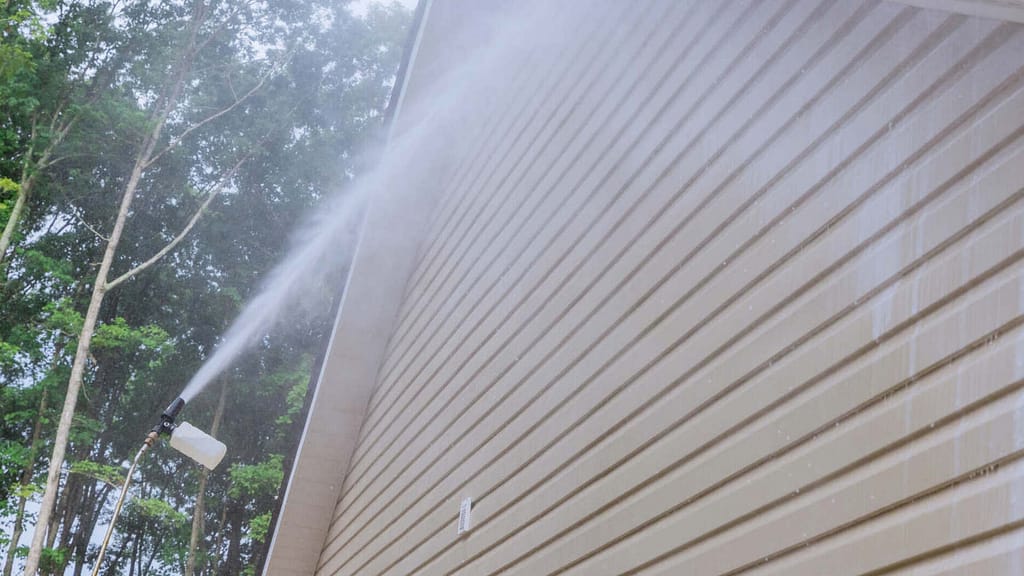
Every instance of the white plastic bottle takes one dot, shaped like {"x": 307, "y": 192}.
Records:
{"x": 198, "y": 445}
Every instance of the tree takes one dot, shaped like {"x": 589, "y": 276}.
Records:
{"x": 25, "y": 487}
{"x": 212, "y": 209}
{"x": 150, "y": 149}
{"x": 198, "y": 521}
{"x": 48, "y": 79}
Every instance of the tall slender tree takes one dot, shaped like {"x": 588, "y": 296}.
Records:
{"x": 198, "y": 519}
{"x": 275, "y": 101}
{"x": 49, "y": 76}
{"x": 151, "y": 148}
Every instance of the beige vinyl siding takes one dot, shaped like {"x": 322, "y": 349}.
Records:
{"x": 539, "y": 104}
{"x": 723, "y": 287}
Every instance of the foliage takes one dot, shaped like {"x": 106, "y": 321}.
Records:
{"x": 259, "y": 526}
{"x": 78, "y": 84}
{"x": 8, "y": 191}
{"x": 157, "y": 511}
{"x": 252, "y": 481}
{"x": 53, "y": 559}
{"x": 296, "y": 382}
{"x": 156, "y": 531}
{"x": 13, "y": 457}
{"x": 112, "y": 475}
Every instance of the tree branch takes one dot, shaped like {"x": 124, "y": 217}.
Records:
{"x": 91, "y": 229}
{"x": 59, "y": 159}
{"x": 56, "y": 115}
{"x": 184, "y": 231}
{"x": 239, "y": 6}
{"x": 176, "y": 141}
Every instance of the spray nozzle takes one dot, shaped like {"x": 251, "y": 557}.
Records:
{"x": 166, "y": 424}
{"x": 186, "y": 438}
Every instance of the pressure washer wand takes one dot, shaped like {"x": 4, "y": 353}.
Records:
{"x": 120, "y": 503}
{"x": 166, "y": 427}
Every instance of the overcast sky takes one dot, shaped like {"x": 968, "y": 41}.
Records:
{"x": 359, "y": 6}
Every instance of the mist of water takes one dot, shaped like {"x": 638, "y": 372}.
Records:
{"x": 415, "y": 157}
{"x": 285, "y": 285}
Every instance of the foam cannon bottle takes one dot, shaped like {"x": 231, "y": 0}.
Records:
{"x": 185, "y": 438}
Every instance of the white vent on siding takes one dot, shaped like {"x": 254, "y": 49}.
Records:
{"x": 464, "y": 511}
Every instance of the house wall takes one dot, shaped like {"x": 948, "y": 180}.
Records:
{"x": 719, "y": 287}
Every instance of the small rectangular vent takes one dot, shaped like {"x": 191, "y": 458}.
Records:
{"x": 464, "y": 511}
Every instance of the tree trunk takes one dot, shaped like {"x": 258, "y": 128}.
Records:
{"x": 156, "y": 550}
{"x": 79, "y": 559}
{"x": 68, "y": 528}
{"x": 215, "y": 557}
{"x": 233, "y": 563}
{"x": 88, "y": 513}
{"x": 26, "y": 479}
{"x": 198, "y": 519}
{"x": 24, "y": 187}
{"x": 13, "y": 219}
{"x": 116, "y": 561}
{"x": 78, "y": 371}
{"x": 136, "y": 550}
{"x": 74, "y": 489}
{"x": 51, "y": 528}
{"x": 29, "y": 167}
{"x": 197, "y": 526}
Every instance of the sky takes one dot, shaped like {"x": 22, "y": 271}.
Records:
{"x": 359, "y": 6}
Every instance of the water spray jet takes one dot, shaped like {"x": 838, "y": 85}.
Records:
{"x": 184, "y": 438}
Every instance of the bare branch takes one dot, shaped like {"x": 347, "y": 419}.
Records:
{"x": 184, "y": 231}
{"x": 53, "y": 222}
{"x": 58, "y": 132}
{"x": 176, "y": 141}
{"x": 238, "y": 7}
{"x": 27, "y": 161}
{"x": 60, "y": 159}
{"x": 91, "y": 229}
{"x": 56, "y": 115}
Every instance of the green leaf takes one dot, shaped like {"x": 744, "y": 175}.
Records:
{"x": 256, "y": 480}
{"x": 8, "y": 186}
{"x": 85, "y": 430}
{"x": 112, "y": 475}
{"x": 62, "y": 317}
{"x": 159, "y": 511}
{"x": 52, "y": 559}
{"x": 27, "y": 490}
{"x": 259, "y": 526}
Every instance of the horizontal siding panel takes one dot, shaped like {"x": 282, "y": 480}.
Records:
{"x": 580, "y": 117}
{"x": 583, "y": 229}
{"x": 1000, "y": 554}
{"x": 975, "y": 508}
{"x": 780, "y": 478}
{"x": 566, "y": 137}
{"x": 579, "y": 199}
{"x": 540, "y": 136}
{"x": 733, "y": 288}
{"x": 535, "y": 102}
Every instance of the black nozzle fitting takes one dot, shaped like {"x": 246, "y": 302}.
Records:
{"x": 166, "y": 425}
{"x": 172, "y": 410}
